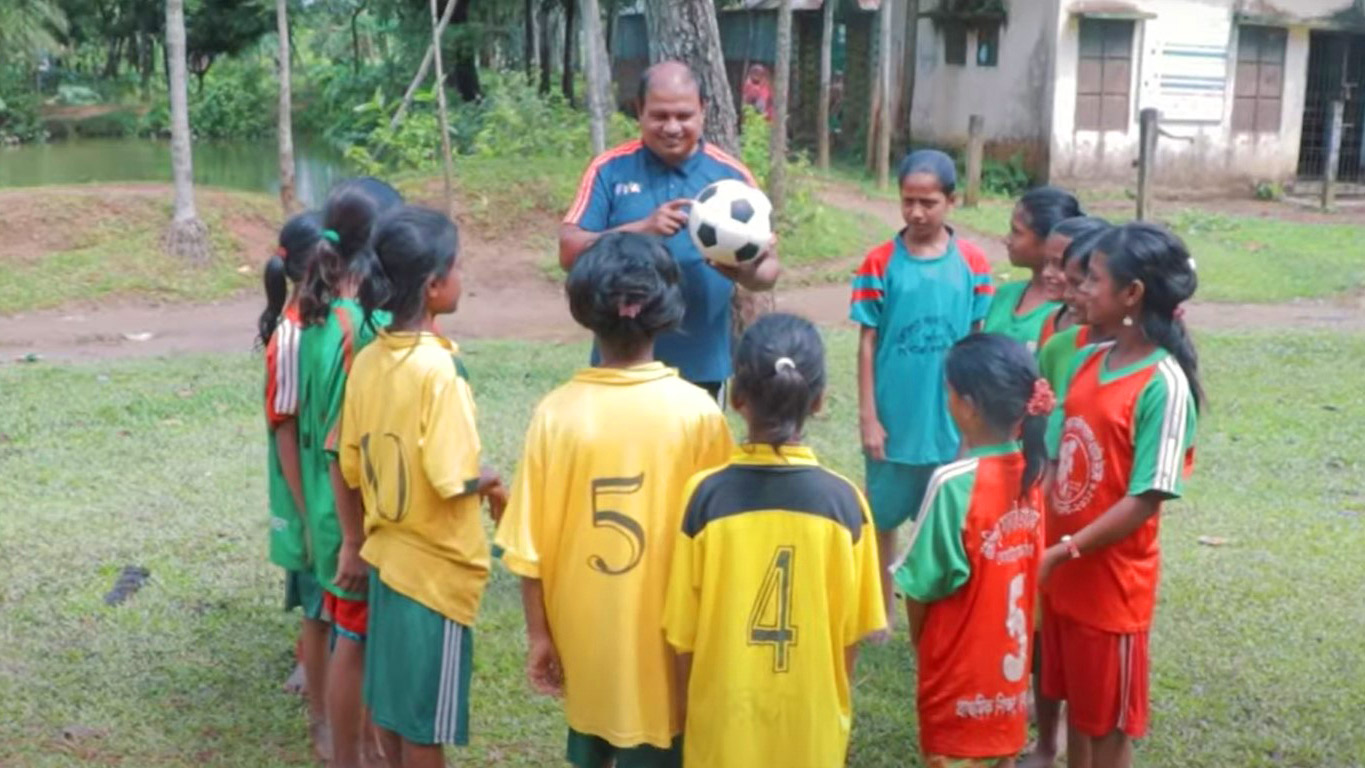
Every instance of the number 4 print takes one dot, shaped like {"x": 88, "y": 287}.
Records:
{"x": 770, "y": 618}
{"x": 617, "y": 521}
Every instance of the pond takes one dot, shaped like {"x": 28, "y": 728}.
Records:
{"x": 247, "y": 165}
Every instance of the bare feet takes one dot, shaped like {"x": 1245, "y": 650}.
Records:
{"x": 297, "y": 683}
{"x": 321, "y": 738}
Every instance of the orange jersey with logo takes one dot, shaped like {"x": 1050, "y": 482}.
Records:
{"x": 973, "y": 559}
{"x": 1125, "y": 432}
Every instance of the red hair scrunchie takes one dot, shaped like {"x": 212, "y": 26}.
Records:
{"x": 1043, "y": 400}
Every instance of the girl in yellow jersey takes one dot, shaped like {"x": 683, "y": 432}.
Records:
{"x": 409, "y": 444}
{"x": 596, "y": 505}
{"x": 774, "y": 579}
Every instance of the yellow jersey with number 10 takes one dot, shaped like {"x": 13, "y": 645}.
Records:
{"x": 774, "y": 576}
{"x": 595, "y": 507}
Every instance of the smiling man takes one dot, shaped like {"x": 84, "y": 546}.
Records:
{"x": 645, "y": 186}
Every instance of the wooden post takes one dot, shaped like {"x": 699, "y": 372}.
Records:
{"x": 447, "y": 172}
{"x": 826, "y": 67}
{"x": 883, "y": 146}
{"x": 1147, "y": 133}
{"x": 976, "y": 145}
{"x": 1329, "y": 172}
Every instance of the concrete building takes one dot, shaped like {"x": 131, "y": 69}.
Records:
{"x": 1243, "y": 87}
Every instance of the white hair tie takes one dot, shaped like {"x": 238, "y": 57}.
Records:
{"x": 784, "y": 364}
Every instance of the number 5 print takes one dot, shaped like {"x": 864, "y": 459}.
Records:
{"x": 617, "y": 521}
{"x": 1016, "y": 624}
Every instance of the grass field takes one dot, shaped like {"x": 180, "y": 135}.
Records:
{"x": 1257, "y": 651}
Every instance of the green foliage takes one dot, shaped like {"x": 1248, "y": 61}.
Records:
{"x": 19, "y": 108}
{"x": 1007, "y": 179}
{"x": 238, "y": 100}
{"x": 1269, "y": 191}
{"x": 76, "y": 95}
{"x": 109, "y": 125}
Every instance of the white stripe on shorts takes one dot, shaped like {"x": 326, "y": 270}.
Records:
{"x": 1125, "y": 669}
{"x": 446, "y": 722}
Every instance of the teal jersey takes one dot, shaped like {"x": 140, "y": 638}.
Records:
{"x": 919, "y": 308}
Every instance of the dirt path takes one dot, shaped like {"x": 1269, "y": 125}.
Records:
{"x": 507, "y": 296}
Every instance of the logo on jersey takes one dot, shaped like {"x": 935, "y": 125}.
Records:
{"x": 1080, "y": 466}
{"x": 1002, "y": 545}
{"x": 624, "y": 188}
{"x": 927, "y": 335}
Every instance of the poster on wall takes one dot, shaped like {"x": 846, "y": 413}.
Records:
{"x": 1191, "y": 65}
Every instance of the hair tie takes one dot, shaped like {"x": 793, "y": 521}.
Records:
{"x": 282, "y": 252}
{"x": 1193, "y": 267}
{"x": 1179, "y": 312}
{"x": 784, "y": 364}
{"x": 1043, "y": 401}
{"x": 628, "y": 310}
{"x": 331, "y": 236}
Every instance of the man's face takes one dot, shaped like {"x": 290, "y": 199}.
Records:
{"x": 671, "y": 121}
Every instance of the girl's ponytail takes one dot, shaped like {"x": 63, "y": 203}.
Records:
{"x": 1169, "y": 333}
{"x": 780, "y": 376}
{"x": 999, "y": 377}
{"x": 345, "y": 255}
{"x": 1034, "y": 432}
{"x": 276, "y": 292}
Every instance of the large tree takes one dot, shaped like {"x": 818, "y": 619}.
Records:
{"x": 687, "y": 30}
{"x": 598, "y": 70}
{"x": 288, "y": 199}
{"x": 187, "y": 236}
{"x": 777, "y": 137}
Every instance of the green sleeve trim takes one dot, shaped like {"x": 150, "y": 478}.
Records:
{"x": 936, "y": 565}
{"x": 1163, "y": 431}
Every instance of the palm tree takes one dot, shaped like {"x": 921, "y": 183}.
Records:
{"x": 187, "y": 236}
{"x": 598, "y": 69}
{"x": 288, "y": 198}
{"x": 30, "y": 25}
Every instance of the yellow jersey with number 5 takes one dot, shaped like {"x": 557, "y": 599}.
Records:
{"x": 773, "y": 578}
{"x": 594, "y": 510}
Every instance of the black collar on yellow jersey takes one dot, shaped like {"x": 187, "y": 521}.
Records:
{"x": 763, "y": 454}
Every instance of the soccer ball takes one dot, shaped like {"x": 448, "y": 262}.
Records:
{"x": 731, "y": 222}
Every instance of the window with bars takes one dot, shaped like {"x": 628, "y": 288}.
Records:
{"x": 955, "y": 43}
{"x": 1259, "y": 87}
{"x": 1104, "y": 74}
{"x": 988, "y": 44}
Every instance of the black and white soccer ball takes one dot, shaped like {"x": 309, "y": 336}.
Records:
{"x": 731, "y": 222}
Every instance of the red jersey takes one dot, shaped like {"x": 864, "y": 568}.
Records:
{"x": 973, "y": 558}
{"x": 1124, "y": 433}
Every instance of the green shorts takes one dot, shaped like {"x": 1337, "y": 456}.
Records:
{"x": 302, "y": 590}
{"x": 896, "y": 491}
{"x": 417, "y": 669}
{"x": 586, "y": 751}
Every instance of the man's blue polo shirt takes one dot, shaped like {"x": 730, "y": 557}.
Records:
{"x": 626, "y": 184}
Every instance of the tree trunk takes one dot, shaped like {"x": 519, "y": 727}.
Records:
{"x": 447, "y": 172}
{"x": 883, "y": 147}
{"x": 288, "y": 199}
{"x": 422, "y": 70}
{"x": 610, "y": 39}
{"x": 598, "y": 68}
{"x": 187, "y": 236}
{"x": 528, "y": 45}
{"x": 355, "y": 39}
{"x": 777, "y": 137}
{"x": 687, "y": 31}
{"x": 826, "y": 76}
{"x": 466, "y": 72}
{"x": 546, "y": 65}
{"x": 908, "y": 76}
{"x": 566, "y": 74}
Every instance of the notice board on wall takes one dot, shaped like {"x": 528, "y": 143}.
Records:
{"x": 1190, "y": 67}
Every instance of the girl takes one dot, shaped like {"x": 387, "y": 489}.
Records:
{"x": 335, "y": 329}
{"x": 774, "y": 577}
{"x": 1055, "y": 249}
{"x": 1126, "y": 444}
{"x": 279, "y": 331}
{"x": 1020, "y": 308}
{"x": 1068, "y": 251}
{"x": 968, "y": 575}
{"x": 591, "y": 537}
{"x": 409, "y": 444}
{"x": 914, "y": 297}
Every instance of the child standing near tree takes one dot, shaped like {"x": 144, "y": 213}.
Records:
{"x": 1127, "y": 443}
{"x": 1021, "y": 308}
{"x": 335, "y": 328}
{"x": 409, "y": 444}
{"x": 597, "y": 504}
{"x": 968, "y": 576}
{"x": 774, "y": 576}
{"x": 914, "y": 297}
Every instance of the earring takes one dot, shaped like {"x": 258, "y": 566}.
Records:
{"x": 1128, "y": 321}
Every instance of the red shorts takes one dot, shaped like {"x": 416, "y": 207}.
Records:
{"x": 1101, "y": 676}
{"x": 349, "y": 617}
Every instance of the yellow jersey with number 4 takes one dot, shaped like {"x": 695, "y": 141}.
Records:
{"x": 409, "y": 443}
{"x": 773, "y": 578}
{"x": 594, "y": 510}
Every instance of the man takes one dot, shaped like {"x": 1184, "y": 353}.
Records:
{"x": 645, "y": 186}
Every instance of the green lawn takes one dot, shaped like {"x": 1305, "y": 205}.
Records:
{"x": 1257, "y": 650}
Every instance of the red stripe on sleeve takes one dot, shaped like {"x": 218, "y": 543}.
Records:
{"x": 716, "y": 153}
{"x": 874, "y": 263}
{"x": 974, "y": 256}
{"x": 580, "y": 201}
{"x": 866, "y": 295}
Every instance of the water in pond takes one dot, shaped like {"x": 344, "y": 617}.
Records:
{"x": 248, "y": 165}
